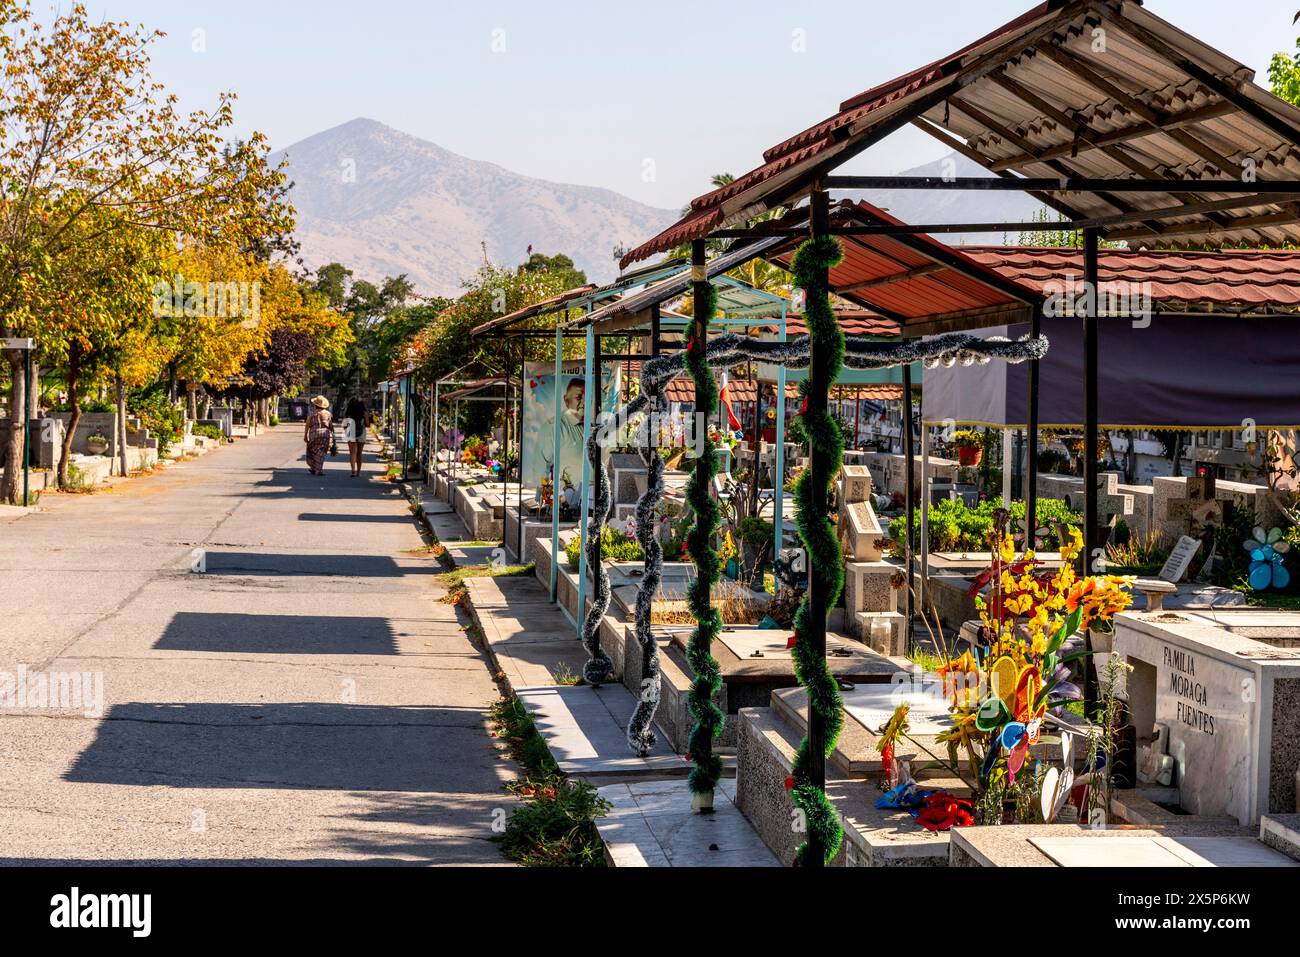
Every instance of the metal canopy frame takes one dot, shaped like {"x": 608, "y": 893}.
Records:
{"x": 641, "y": 315}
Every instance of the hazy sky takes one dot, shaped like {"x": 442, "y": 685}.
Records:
{"x": 586, "y": 92}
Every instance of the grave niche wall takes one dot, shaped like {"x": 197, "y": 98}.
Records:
{"x": 1231, "y": 705}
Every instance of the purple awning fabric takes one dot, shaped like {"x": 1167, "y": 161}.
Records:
{"x": 1209, "y": 372}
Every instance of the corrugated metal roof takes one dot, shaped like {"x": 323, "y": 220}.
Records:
{"x": 916, "y": 277}
{"x": 1087, "y": 88}
{"x": 1252, "y": 282}
{"x": 675, "y": 286}
{"x": 556, "y": 302}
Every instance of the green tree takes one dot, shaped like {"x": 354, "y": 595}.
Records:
{"x": 1284, "y": 73}
{"x": 85, "y": 128}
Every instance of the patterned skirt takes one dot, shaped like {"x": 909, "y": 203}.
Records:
{"x": 316, "y": 450}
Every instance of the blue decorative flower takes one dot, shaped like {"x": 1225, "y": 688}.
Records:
{"x": 1266, "y": 551}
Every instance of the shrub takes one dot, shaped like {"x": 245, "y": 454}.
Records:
{"x": 614, "y": 546}
{"x": 164, "y": 422}
{"x": 954, "y": 527}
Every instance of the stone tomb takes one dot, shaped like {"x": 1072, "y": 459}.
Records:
{"x": 1069, "y": 845}
{"x": 1112, "y": 504}
{"x": 859, "y": 530}
{"x": 1224, "y": 706}
{"x": 870, "y": 598}
{"x": 767, "y": 740}
{"x": 628, "y": 481}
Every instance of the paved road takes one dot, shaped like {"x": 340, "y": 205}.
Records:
{"x": 307, "y": 698}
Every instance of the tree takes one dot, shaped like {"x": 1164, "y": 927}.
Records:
{"x": 1284, "y": 73}
{"x": 84, "y": 128}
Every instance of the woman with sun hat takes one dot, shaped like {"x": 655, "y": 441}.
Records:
{"x": 317, "y": 433}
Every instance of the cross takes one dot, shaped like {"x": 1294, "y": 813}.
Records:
{"x": 1200, "y": 507}
{"x": 1111, "y": 505}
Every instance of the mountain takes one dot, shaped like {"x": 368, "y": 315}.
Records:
{"x": 383, "y": 202}
{"x": 956, "y": 206}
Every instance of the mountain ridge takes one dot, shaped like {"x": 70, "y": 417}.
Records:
{"x": 383, "y": 202}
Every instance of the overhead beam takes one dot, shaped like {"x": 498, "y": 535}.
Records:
{"x": 988, "y": 122}
{"x": 1064, "y": 184}
{"x": 1082, "y": 132}
{"x": 1050, "y": 200}
{"x": 1230, "y": 91}
{"x": 1240, "y": 224}
{"x": 798, "y": 181}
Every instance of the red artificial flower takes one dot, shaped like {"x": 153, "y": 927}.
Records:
{"x": 941, "y": 811}
{"x": 789, "y": 783}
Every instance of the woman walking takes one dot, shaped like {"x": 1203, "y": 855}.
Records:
{"x": 354, "y": 432}
{"x": 318, "y": 432}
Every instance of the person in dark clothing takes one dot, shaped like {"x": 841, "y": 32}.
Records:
{"x": 354, "y": 431}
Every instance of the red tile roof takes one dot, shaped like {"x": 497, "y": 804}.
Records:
{"x": 1254, "y": 281}
{"x": 859, "y": 322}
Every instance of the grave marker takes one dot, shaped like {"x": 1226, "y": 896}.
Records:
{"x": 859, "y": 528}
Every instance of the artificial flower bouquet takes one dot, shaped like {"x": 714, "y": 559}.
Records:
{"x": 999, "y": 691}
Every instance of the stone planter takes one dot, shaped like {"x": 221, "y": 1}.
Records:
{"x": 97, "y": 445}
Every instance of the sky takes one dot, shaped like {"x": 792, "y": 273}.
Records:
{"x": 646, "y": 99}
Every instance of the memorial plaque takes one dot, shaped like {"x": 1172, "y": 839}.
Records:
{"x": 1176, "y": 564}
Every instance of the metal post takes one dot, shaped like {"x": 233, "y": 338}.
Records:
{"x": 778, "y": 488}
{"x": 27, "y": 426}
{"x": 925, "y": 510}
{"x": 909, "y": 497}
{"x": 819, "y": 472}
{"x": 1091, "y": 285}
{"x": 555, "y": 462}
{"x": 1031, "y": 441}
{"x": 511, "y": 428}
{"x": 1008, "y": 456}
{"x": 437, "y": 442}
{"x": 1091, "y": 539}
{"x": 588, "y": 412}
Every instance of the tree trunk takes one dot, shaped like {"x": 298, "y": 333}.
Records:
{"x": 74, "y": 403}
{"x": 207, "y": 405}
{"x": 12, "y": 455}
{"x": 191, "y": 401}
{"x": 1178, "y": 454}
{"x": 123, "y": 459}
{"x": 1130, "y": 458}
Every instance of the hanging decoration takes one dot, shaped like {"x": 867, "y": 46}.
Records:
{"x": 639, "y": 734}
{"x": 699, "y": 544}
{"x": 825, "y": 559}
{"x": 598, "y": 668}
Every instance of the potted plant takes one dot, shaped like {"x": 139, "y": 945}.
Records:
{"x": 970, "y": 447}
{"x": 97, "y": 442}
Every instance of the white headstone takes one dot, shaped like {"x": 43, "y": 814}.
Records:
{"x": 1176, "y": 564}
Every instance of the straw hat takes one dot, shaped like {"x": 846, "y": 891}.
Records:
{"x": 321, "y": 402}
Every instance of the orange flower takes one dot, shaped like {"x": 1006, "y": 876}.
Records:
{"x": 1077, "y": 593}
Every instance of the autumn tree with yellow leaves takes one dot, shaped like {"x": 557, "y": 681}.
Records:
{"x": 91, "y": 147}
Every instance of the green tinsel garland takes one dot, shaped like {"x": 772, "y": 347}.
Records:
{"x": 708, "y": 675}
{"x": 818, "y": 534}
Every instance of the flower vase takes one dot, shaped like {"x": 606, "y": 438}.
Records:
{"x": 702, "y": 802}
